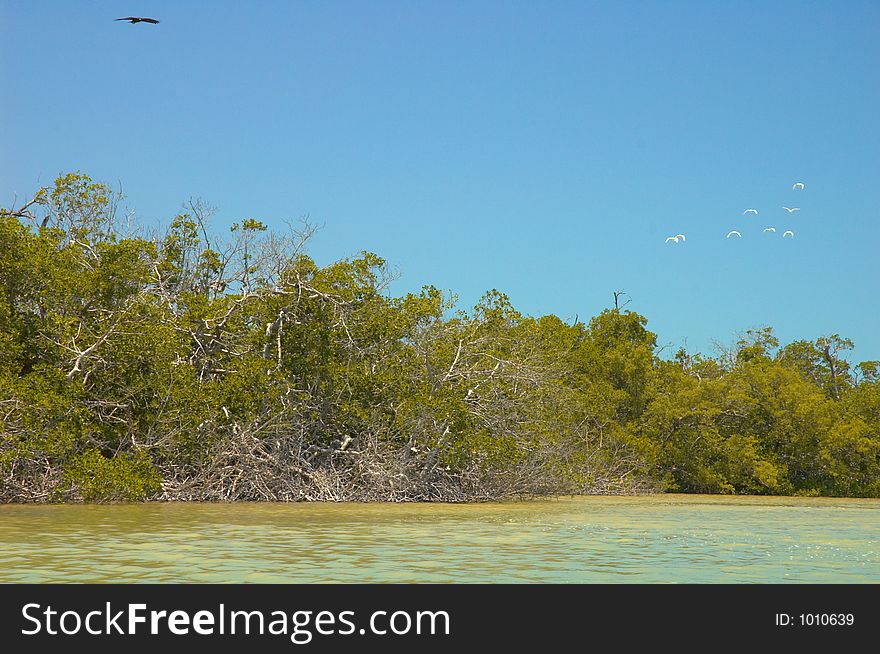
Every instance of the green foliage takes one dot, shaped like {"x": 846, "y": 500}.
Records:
{"x": 189, "y": 366}
{"x": 96, "y": 478}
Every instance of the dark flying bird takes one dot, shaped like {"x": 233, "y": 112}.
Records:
{"x": 137, "y": 19}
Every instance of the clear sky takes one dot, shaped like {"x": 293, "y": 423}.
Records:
{"x": 545, "y": 149}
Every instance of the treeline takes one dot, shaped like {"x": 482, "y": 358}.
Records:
{"x": 186, "y": 366}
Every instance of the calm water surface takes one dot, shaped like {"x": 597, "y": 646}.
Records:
{"x": 667, "y": 538}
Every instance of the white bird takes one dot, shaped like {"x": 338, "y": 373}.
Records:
{"x": 731, "y": 233}
{"x": 769, "y": 229}
{"x": 798, "y": 185}
{"x": 681, "y": 236}
{"x": 792, "y": 209}
{"x": 754, "y": 211}
{"x": 787, "y": 232}
{"x": 674, "y": 239}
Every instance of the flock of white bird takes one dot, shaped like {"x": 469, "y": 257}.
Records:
{"x": 797, "y": 186}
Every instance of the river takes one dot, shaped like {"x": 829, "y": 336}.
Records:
{"x": 653, "y": 539}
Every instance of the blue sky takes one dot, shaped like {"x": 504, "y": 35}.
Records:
{"x": 543, "y": 149}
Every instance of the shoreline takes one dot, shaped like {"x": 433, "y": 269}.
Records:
{"x": 704, "y": 498}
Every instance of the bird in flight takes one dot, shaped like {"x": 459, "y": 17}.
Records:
{"x": 754, "y": 211}
{"x": 138, "y": 19}
{"x": 769, "y": 229}
{"x": 674, "y": 239}
{"x": 787, "y": 232}
{"x": 798, "y": 185}
{"x": 731, "y": 233}
{"x": 792, "y": 209}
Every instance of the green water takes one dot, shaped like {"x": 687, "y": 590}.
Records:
{"x": 573, "y": 540}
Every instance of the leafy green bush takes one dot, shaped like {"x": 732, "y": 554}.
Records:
{"x": 96, "y": 478}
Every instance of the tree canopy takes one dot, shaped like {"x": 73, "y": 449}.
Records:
{"x": 196, "y": 366}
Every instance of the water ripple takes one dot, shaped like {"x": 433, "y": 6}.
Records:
{"x": 661, "y": 539}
